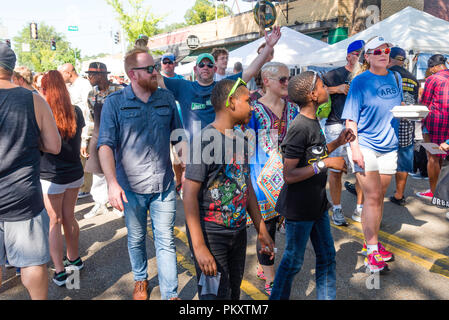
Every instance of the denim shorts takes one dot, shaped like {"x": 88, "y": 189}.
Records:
{"x": 25, "y": 243}
{"x": 332, "y": 132}
{"x": 405, "y": 159}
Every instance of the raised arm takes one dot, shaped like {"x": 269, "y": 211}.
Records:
{"x": 260, "y": 60}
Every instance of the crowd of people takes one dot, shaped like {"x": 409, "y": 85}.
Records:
{"x": 238, "y": 158}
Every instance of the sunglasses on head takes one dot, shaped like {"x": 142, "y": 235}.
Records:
{"x": 315, "y": 74}
{"x": 210, "y": 65}
{"x": 236, "y": 85}
{"x": 149, "y": 69}
{"x": 378, "y": 52}
{"x": 167, "y": 62}
{"x": 282, "y": 80}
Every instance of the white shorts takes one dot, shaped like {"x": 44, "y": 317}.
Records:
{"x": 385, "y": 163}
{"x": 49, "y": 187}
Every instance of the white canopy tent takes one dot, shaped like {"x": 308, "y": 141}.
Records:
{"x": 290, "y": 49}
{"x": 410, "y": 29}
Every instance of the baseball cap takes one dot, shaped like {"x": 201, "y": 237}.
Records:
{"x": 398, "y": 54}
{"x": 169, "y": 56}
{"x": 376, "y": 42}
{"x": 205, "y": 56}
{"x": 436, "y": 60}
{"x": 355, "y": 45}
{"x": 7, "y": 57}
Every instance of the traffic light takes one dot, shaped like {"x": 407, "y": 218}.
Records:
{"x": 8, "y": 42}
{"x": 33, "y": 30}
{"x": 53, "y": 44}
{"x": 117, "y": 37}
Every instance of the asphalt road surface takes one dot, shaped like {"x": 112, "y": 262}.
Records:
{"x": 417, "y": 234}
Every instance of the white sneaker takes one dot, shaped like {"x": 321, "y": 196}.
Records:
{"x": 119, "y": 213}
{"x": 357, "y": 215}
{"x": 95, "y": 211}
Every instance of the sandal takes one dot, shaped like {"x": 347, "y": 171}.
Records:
{"x": 268, "y": 288}
{"x": 261, "y": 275}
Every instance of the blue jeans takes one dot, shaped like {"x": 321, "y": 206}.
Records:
{"x": 162, "y": 207}
{"x": 297, "y": 235}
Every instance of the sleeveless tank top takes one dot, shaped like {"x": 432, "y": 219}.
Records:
{"x": 20, "y": 188}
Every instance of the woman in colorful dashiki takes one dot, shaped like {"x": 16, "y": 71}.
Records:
{"x": 272, "y": 115}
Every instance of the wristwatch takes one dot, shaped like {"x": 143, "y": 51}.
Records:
{"x": 321, "y": 165}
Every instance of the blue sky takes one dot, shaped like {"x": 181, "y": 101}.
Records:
{"x": 94, "y": 18}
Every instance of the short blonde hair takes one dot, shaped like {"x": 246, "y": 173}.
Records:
{"x": 131, "y": 57}
{"x": 24, "y": 73}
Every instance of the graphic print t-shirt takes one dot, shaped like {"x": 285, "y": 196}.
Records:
{"x": 221, "y": 164}
{"x": 305, "y": 200}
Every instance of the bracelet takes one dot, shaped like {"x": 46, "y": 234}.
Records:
{"x": 315, "y": 168}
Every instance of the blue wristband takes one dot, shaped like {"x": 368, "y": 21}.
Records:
{"x": 315, "y": 168}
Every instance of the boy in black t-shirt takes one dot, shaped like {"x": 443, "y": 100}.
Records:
{"x": 303, "y": 201}
{"x": 217, "y": 195}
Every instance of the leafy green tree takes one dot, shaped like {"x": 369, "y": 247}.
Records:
{"x": 40, "y": 56}
{"x": 138, "y": 21}
{"x": 204, "y": 10}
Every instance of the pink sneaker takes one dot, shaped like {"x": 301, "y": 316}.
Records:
{"x": 374, "y": 262}
{"x": 386, "y": 255}
{"x": 268, "y": 288}
{"x": 425, "y": 194}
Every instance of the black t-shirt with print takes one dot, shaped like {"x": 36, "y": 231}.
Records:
{"x": 224, "y": 173}
{"x": 335, "y": 78}
{"x": 305, "y": 200}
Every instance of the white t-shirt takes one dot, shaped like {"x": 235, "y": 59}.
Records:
{"x": 218, "y": 77}
{"x": 79, "y": 91}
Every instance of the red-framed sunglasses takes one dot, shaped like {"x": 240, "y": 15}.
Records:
{"x": 378, "y": 52}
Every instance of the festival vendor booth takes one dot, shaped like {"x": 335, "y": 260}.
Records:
{"x": 415, "y": 31}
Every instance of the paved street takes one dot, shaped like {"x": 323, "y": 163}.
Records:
{"x": 417, "y": 234}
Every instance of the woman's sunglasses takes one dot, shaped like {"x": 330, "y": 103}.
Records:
{"x": 149, "y": 69}
{"x": 282, "y": 80}
{"x": 378, "y": 52}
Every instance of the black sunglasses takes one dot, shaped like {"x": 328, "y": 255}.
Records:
{"x": 210, "y": 65}
{"x": 167, "y": 62}
{"x": 149, "y": 69}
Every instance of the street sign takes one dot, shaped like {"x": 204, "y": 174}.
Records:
{"x": 265, "y": 14}
{"x": 73, "y": 28}
{"x": 193, "y": 42}
{"x": 25, "y": 47}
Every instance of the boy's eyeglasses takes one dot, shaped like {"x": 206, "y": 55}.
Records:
{"x": 282, "y": 80}
{"x": 210, "y": 65}
{"x": 236, "y": 85}
{"x": 149, "y": 69}
{"x": 378, "y": 52}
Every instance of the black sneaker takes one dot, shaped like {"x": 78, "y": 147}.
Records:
{"x": 60, "y": 278}
{"x": 77, "y": 264}
{"x": 399, "y": 202}
{"x": 350, "y": 187}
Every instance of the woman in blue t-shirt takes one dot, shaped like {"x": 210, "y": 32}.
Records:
{"x": 373, "y": 155}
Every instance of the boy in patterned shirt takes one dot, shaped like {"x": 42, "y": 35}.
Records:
{"x": 218, "y": 193}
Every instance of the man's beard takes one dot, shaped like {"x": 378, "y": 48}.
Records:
{"x": 148, "y": 84}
